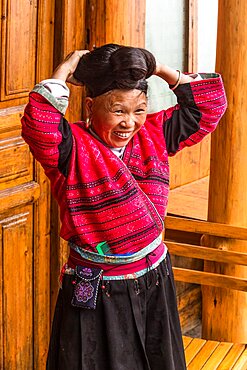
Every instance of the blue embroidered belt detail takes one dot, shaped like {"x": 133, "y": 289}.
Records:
{"x": 117, "y": 258}
{"x": 133, "y": 275}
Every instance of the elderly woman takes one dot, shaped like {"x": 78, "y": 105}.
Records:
{"x": 116, "y": 309}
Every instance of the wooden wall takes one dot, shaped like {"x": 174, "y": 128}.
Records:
{"x": 190, "y": 164}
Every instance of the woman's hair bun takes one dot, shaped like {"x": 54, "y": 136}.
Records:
{"x": 151, "y": 62}
{"x": 132, "y": 63}
{"x": 114, "y": 66}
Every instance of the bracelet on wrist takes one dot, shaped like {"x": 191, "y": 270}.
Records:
{"x": 173, "y": 87}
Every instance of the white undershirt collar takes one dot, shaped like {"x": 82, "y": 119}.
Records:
{"x": 117, "y": 151}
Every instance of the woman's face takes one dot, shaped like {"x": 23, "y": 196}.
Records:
{"x": 117, "y": 116}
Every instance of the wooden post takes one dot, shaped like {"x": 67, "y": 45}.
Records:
{"x": 224, "y": 311}
{"x": 114, "y": 21}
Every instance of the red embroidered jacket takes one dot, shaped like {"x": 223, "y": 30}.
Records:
{"x": 104, "y": 198}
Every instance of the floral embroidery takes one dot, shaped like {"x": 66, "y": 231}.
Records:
{"x": 87, "y": 271}
{"x": 84, "y": 291}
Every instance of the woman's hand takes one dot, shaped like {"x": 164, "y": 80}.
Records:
{"x": 158, "y": 68}
{"x": 66, "y": 69}
{"x": 170, "y": 75}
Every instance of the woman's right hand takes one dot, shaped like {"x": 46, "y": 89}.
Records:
{"x": 66, "y": 69}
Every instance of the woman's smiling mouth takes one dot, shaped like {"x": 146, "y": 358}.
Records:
{"x": 124, "y": 135}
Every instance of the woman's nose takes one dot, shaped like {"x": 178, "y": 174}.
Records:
{"x": 128, "y": 122}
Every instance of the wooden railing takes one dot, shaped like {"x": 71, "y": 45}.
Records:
{"x": 204, "y": 354}
{"x": 208, "y": 254}
{"x": 205, "y": 227}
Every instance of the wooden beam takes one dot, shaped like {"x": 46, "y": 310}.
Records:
{"x": 208, "y": 278}
{"x": 205, "y": 227}
{"x": 208, "y": 254}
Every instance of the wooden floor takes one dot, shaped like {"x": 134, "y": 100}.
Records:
{"x": 190, "y": 200}
{"x": 212, "y": 355}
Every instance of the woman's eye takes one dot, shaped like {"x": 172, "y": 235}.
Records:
{"x": 140, "y": 110}
{"x": 118, "y": 111}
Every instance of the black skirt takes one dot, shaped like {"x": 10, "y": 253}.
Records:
{"x": 135, "y": 326}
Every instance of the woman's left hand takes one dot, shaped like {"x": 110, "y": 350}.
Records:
{"x": 170, "y": 75}
{"x": 66, "y": 69}
{"x": 158, "y": 68}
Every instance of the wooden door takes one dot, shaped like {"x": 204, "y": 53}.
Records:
{"x": 26, "y": 45}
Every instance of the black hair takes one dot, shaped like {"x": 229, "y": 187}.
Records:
{"x": 114, "y": 66}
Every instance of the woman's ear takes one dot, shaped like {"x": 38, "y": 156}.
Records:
{"x": 88, "y": 105}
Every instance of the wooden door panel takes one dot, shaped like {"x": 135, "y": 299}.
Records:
{"x": 19, "y": 195}
{"x": 13, "y": 170}
{"x": 17, "y": 288}
{"x": 19, "y": 22}
{"x": 16, "y": 160}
